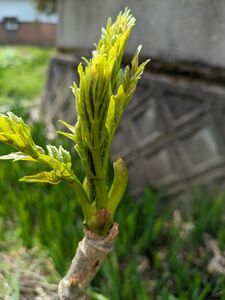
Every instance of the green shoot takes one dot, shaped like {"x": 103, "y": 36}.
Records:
{"x": 104, "y": 90}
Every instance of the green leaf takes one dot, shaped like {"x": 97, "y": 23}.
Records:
{"x": 15, "y": 156}
{"x": 66, "y": 134}
{"x": 16, "y": 133}
{"x": 47, "y": 177}
{"x": 59, "y": 160}
{"x": 96, "y": 296}
{"x": 135, "y": 60}
{"x": 70, "y": 127}
{"x": 60, "y": 154}
{"x": 110, "y": 115}
{"x": 14, "y": 140}
{"x": 63, "y": 170}
{"x": 118, "y": 111}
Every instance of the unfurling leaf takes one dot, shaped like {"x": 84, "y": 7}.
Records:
{"x": 47, "y": 177}
{"x": 110, "y": 115}
{"x": 66, "y": 134}
{"x": 70, "y": 127}
{"x": 60, "y": 154}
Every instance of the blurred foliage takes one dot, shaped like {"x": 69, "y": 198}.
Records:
{"x": 46, "y": 6}
{"x": 159, "y": 254}
{"x": 22, "y": 73}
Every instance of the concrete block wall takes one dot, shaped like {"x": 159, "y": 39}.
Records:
{"x": 173, "y": 134}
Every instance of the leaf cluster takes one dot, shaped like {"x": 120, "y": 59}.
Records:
{"x": 14, "y": 132}
{"x": 46, "y": 6}
{"x": 104, "y": 91}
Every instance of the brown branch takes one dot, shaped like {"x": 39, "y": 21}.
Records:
{"x": 89, "y": 257}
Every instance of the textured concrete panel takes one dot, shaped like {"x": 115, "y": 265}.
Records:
{"x": 201, "y": 147}
{"x": 188, "y": 146}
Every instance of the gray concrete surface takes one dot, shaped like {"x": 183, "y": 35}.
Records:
{"x": 170, "y": 30}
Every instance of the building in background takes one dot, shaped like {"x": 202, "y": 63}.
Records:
{"x": 22, "y": 23}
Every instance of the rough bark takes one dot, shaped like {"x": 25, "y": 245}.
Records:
{"x": 89, "y": 257}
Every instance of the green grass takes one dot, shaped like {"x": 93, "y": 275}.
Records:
{"x": 50, "y": 217}
{"x": 22, "y": 73}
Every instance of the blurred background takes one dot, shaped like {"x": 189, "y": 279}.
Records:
{"x": 172, "y": 220}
